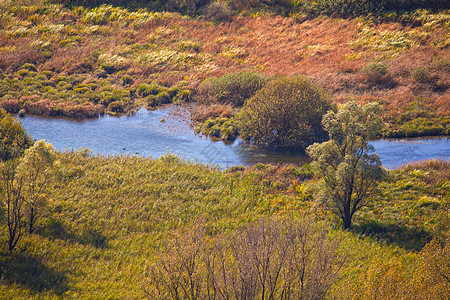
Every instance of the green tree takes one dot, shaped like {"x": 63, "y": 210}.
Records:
{"x": 13, "y": 138}
{"x": 348, "y": 173}
{"x": 286, "y": 113}
{"x": 35, "y": 167}
{"x": 13, "y": 142}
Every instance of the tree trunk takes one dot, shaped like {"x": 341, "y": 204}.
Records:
{"x": 347, "y": 221}
{"x": 31, "y": 221}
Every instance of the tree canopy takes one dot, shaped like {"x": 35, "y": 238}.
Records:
{"x": 13, "y": 138}
{"x": 286, "y": 113}
{"x": 349, "y": 173}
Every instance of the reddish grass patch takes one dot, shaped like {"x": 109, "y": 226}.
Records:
{"x": 201, "y": 113}
{"x": 319, "y": 48}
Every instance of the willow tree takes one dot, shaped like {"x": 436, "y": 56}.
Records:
{"x": 35, "y": 167}
{"x": 349, "y": 171}
{"x": 13, "y": 138}
{"x": 13, "y": 142}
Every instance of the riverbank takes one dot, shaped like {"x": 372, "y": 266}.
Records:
{"x": 81, "y": 62}
{"x": 168, "y": 130}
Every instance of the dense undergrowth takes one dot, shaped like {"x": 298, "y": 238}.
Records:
{"x": 80, "y": 61}
{"x": 109, "y": 221}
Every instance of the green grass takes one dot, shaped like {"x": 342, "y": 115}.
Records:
{"x": 108, "y": 217}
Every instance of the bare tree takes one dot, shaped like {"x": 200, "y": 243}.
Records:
{"x": 274, "y": 259}
{"x": 177, "y": 272}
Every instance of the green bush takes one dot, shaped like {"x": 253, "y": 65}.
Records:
{"x": 116, "y": 107}
{"x": 145, "y": 89}
{"x": 232, "y": 88}
{"x": 377, "y": 74}
{"x": 286, "y": 113}
{"x": 13, "y": 138}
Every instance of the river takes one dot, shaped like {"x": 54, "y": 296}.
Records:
{"x": 167, "y": 130}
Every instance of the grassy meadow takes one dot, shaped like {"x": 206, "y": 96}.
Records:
{"x": 128, "y": 227}
{"x": 108, "y": 219}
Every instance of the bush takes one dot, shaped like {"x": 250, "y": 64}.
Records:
{"x": 377, "y": 74}
{"x": 116, "y": 107}
{"x": 14, "y": 140}
{"x": 286, "y": 113}
{"x": 218, "y": 11}
{"x": 232, "y": 88}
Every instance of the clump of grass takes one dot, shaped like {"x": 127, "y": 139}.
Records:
{"x": 231, "y": 89}
{"x": 421, "y": 75}
{"x": 220, "y": 128}
{"x": 201, "y": 113}
{"x": 377, "y": 74}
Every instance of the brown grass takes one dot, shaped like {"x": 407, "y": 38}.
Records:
{"x": 201, "y": 113}
{"x": 320, "y": 48}
{"x": 441, "y": 168}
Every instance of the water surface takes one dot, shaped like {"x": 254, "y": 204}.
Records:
{"x": 154, "y": 133}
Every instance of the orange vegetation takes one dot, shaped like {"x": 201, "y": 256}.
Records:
{"x": 334, "y": 52}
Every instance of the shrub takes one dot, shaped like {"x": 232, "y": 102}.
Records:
{"x": 145, "y": 90}
{"x": 14, "y": 140}
{"x": 377, "y": 73}
{"x": 218, "y": 11}
{"x": 286, "y": 113}
{"x": 232, "y": 88}
{"x": 116, "y": 107}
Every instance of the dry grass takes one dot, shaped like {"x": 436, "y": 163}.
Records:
{"x": 334, "y": 52}
{"x": 201, "y": 113}
{"x": 440, "y": 167}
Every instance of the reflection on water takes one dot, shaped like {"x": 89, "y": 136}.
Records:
{"x": 166, "y": 130}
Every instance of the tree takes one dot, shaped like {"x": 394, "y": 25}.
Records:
{"x": 432, "y": 278}
{"x": 286, "y": 113}
{"x": 13, "y": 138}
{"x": 11, "y": 191}
{"x": 13, "y": 142}
{"x": 348, "y": 173}
{"x": 35, "y": 167}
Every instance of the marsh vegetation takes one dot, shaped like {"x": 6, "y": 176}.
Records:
{"x": 78, "y": 225}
